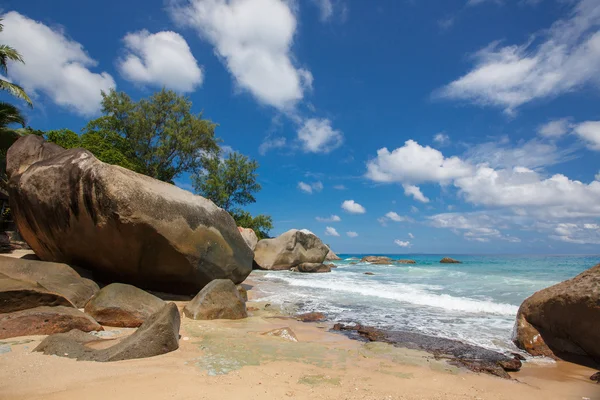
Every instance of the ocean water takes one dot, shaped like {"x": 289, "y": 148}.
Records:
{"x": 475, "y": 302}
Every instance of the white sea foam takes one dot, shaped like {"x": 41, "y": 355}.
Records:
{"x": 406, "y": 293}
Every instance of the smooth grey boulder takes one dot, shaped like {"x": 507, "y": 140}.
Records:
{"x": 249, "y": 237}
{"x": 220, "y": 299}
{"x": 290, "y": 249}
{"x": 31, "y": 149}
{"x": 312, "y": 268}
{"x": 123, "y": 226}
{"x": 123, "y": 305}
{"x": 55, "y": 277}
{"x": 158, "y": 335}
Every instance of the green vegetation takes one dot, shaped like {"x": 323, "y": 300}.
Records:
{"x": 230, "y": 183}
{"x": 8, "y": 53}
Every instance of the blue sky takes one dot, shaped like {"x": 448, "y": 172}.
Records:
{"x": 455, "y": 126}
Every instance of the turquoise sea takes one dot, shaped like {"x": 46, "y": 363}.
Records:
{"x": 475, "y": 301}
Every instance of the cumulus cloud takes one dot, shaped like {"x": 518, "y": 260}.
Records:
{"x": 413, "y": 163}
{"x": 352, "y": 234}
{"x": 271, "y": 143}
{"x": 325, "y": 8}
{"x": 332, "y": 218}
{"x": 577, "y": 233}
{"x": 475, "y": 226}
{"x": 410, "y": 235}
{"x": 330, "y": 231}
{"x": 589, "y": 131}
{"x": 414, "y": 209}
{"x": 395, "y": 217}
{"x": 353, "y": 207}
{"x": 558, "y": 60}
{"x": 160, "y": 59}
{"x": 442, "y": 139}
{"x": 254, "y": 39}
{"x": 415, "y": 192}
{"x": 554, "y": 128}
{"x": 310, "y": 187}
{"x": 402, "y": 243}
{"x": 56, "y": 66}
{"x": 317, "y": 136}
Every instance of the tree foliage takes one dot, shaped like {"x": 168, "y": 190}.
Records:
{"x": 230, "y": 183}
{"x": 160, "y": 135}
{"x": 7, "y": 53}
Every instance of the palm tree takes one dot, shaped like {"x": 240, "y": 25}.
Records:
{"x": 8, "y": 53}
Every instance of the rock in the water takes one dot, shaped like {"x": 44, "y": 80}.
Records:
{"x": 311, "y": 317}
{"x": 331, "y": 256}
{"x": 158, "y": 335}
{"x": 405, "y": 261}
{"x": 312, "y": 268}
{"x": 563, "y": 320}
{"x": 448, "y": 260}
{"x": 45, "y": 321}
{"x": 377, "y": 260}
{"x": 17, "y": 295}
{"x": 284, "y": 333}
{"x": 125, "y": 227}
{"x": 55, "y": 277}
{"x": 249, "y": 237}
{"x": 369, "y": 273}
{"x": 123, "y": 305}
{"x": 220, "y": 299}
{"x": 290, "y": 249}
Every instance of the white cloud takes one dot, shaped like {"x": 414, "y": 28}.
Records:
{"x": 271, "y": 143}
{"x": 442, "y": 139}
{"x": 254, "y": 39}
{"x": 554, "y": 128}
{"x": 353, "y": 207}
{"x": 332, "y": 218}
{"x": 415, "y": 192}
{"x": 414, "y": 209}
{"x": 395, "y": 217}
{"x": 555, "y": 61}
{"x": 475, "y": 226}
{"x": 413, "y": 163}
{"x": 55, "y": 65}
{"x": 317, "y": 136}
{"x": 330, "y": 231}
{"x": 577, "y": 233}
{"x": 310, "y": 188}
{"x": 352, "y": 234}
{"x": 402, "y": 243}
{"x": 597, "y": 177}
{"x": 339, "y": 187}
{"x": 410, "y": 235}
{"x": 589, "y": 131}
{"x": 325, "y": 8}
{"x": 160, "y": 59}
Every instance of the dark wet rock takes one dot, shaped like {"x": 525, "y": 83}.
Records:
{"x": 369, "y": 273}
{"x": 311, "y": 317}
{"x": 45, "y": 321}
{"x": 55, "y": 277}
{"x": 563, "y": 320}
{"x": 220, "y": 299}
{"x": 123, "y": 226}
{"x": 313, "y": 268}
{"x": 595, "y": 377}
{"x": 17, "y": 295}
{"x": 377, "y": 260}
{"x": 284, "y": 333}
{"x": 331, "y": 256}
{"x": 448, "y": 260}
{"x": 405, "y": 262}
{"x": 290, "y": 249}
{"x": 158, "y": 335}
{"x": 123, "y": 305}
{"x": 475, "y": 358}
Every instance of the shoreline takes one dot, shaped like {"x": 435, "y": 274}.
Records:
{"x": 232, "y": 359}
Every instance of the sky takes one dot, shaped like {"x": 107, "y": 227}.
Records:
{"x": 448, "y": 126}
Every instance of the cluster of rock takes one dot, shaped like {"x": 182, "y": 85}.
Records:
{"x": 383, "y": 260}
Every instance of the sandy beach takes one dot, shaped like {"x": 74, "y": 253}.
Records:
{"x": 231, "y": 359}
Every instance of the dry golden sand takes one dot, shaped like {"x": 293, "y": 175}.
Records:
{"x": 232, "y": 360}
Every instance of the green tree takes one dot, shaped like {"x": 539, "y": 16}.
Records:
{"x": 7, "y": 53}
{"x": 230, "y": 183}
{"x": 161, "y": 135}
{"x": 9, "y": 116}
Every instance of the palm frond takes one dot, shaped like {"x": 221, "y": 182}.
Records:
{"x": 9, "y": 114}
{"x": 15, "y": 90}
{"x": 8, "y": 53}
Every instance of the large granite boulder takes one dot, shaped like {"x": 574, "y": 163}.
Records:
{"x": 123, "y": 305}
{"x": 158, "y": 335}
{"x": 331, "y": 256}
{"x": 563, "y": 320}
{"x": 17, "y": 295}
{"x": 220, "y": 299}
{"x": 31, "y": 149}
{"x": 45, "y": 321}
{"x": 312, "y": 268}
{"x": 290, "y": 249}
{"x": 55, "y": 277}
{"x": 249, "y": 237}
{"x": 126, "y": 227}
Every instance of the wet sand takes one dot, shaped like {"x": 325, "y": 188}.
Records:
{"x": 232, "y": 360}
